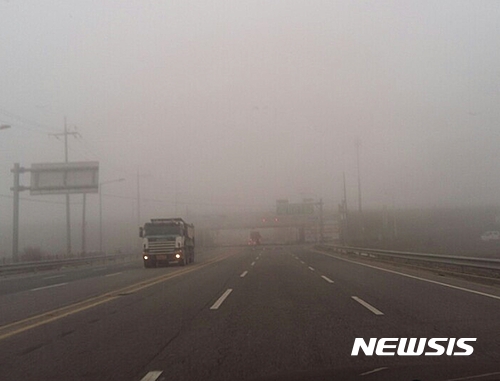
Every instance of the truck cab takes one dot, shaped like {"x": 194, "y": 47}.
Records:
{"x": 167, "y": 241}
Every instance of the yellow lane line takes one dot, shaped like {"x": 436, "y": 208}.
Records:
{"x": 59, "y": 313}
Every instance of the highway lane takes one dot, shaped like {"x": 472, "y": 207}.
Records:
{"x": 288, "y": 319}
{"x": 276, "y": 314}
{"x": 278, "y": 318}
{"x": 457, "y": 308}
{"x": 25, "y": 296}
{"x": 420, "y": 303}
{"x": 14, "y": 283}
{"x": 118, "y": 337}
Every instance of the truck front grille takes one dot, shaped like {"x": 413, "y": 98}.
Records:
{"x": 161, "y": 247}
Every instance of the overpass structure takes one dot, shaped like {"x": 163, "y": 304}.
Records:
{"x": 274, "y": 227}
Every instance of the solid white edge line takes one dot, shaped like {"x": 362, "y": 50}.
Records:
{"x": 152, "y": 376}
{"x": 327, "y": 279}
{"x": 253, "y": 263}
{"x": 219, "y": 301}
{"x": 413, "y": 277}
{"x": 51, "y": 286}
{"x": 243, "y": 274}
{"x": 311, "y": 268}
{"x": 113, "y": 274}
{"x": 367, "y": 306}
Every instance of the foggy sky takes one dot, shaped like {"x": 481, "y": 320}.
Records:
{"x": 235, "y": 104}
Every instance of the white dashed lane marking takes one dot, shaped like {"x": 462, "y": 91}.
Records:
{"x": 311, "y": 268}
{"x": 327, "y": 279}
{"x": 243, "y": 274}
{"x": 51, "y": 286}
{"x": 219, "y": 301}
{"x": 152, "y": 376}
{"x": 367, "y": 306}
{"x": 113, "y": 274}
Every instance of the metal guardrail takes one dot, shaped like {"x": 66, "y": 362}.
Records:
{"x": 466, "y": 265}
{"x": 25, "y": 267}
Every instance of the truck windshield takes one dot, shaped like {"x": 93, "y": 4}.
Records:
{"x": 156, "y": 229}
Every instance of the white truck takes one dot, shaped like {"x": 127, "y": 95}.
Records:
{"x": 166, "y": 241}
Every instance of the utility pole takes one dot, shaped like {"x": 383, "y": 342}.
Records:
{"x": 4, "y": 126}
{"x": 84, "y": 246}
{"x": 138, "y": 199}
{"x": 361, "y": 219}
{"x": 176, "y": 199}
{"x": 17, "y": 171}
{"x": 358, "y": 145}
{"x": 68, "y": 219}
{"x": 321, "y": 222}
{"x": 139, "y": 176}
{"x": 344, "y": 225}
{"x": 394, "y": 218}
{"x": 15, "y": 234}
{"x": 345, "y": 194}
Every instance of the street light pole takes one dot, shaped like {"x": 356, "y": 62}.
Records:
{"x": 358, "y": 145}
{"x": 84, "y": 222}
{"x": 14, "y": 255}
{"x": 100, "y": 219}
{"x": 362, "y": 222}
{"x": 100, "y": 209}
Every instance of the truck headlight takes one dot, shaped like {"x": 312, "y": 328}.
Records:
{"x": 177, "y": 256}
{"x": 145, "y": 257}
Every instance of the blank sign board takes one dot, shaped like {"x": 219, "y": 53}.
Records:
{"x": 62, "y": 178}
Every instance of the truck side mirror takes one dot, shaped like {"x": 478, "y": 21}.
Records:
{"x": 141, "y": 232}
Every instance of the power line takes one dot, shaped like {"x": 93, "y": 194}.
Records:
{"x": 82, "y": 150}
{"x": 179, "y": 202}
{"x": 90, "y": 149}
{"x": 85, "y": 147}
{"x": 26, "y": 121}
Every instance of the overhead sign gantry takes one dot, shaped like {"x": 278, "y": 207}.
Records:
{"x": 50, "y": 179}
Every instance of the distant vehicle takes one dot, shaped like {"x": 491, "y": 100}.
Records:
{"x": 490, "y": 236}
{"x": 255, "y": 238}
{"x": 167, "y": 240}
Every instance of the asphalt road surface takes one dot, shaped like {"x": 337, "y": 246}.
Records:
{"x": 279, "y": 313}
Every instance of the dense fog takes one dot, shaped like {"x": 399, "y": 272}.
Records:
{"x": 224, "y": 107}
